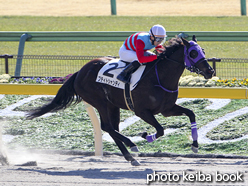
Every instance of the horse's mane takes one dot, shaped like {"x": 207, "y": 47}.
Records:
{"x": 172, "y": 45}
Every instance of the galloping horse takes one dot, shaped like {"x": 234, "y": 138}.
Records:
{"x": 156, "y": 92}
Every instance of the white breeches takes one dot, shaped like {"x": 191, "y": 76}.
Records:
{"x": 130, "y": 55}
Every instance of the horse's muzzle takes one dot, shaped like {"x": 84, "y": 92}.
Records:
{"x": 205, "y": 69}
{"x": 209, "y": 74}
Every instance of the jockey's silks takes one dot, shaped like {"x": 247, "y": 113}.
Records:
{"x": 130, "y": 43}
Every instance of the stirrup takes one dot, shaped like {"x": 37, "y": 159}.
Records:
{"x": 124, "y": 79}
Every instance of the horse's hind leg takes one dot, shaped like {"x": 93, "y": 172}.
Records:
{"x": 111, "y": 117}
{"x": 112, "y": 127}
{"x": 179, "y": 111}
{"x": 125, "y": 153}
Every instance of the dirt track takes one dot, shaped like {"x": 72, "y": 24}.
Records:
{"x": 69, "y": 170}
{"x": 124, "y": 7}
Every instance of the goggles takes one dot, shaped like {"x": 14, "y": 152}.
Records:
{"x": 159, "y": 39}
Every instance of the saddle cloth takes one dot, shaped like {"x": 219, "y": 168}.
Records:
{"x": 108, "y": 73}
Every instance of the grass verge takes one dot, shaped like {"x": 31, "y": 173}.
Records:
{"x": 72, "y": 129}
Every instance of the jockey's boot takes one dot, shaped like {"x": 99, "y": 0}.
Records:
{"x": 125, "y": 75}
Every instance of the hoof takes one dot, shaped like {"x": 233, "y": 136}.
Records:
{"x": 194, "y": 149}
{"x": 134, "y": 149}
{"x": 135, "y": 163}
{"x": 194, "y": 146}
{"x": 144, "y": 134}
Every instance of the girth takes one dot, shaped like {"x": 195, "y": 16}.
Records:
{"x": 128, "y": 97}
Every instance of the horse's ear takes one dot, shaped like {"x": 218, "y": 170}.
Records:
{"x": 194, "y": 38}
{"x": 185, "y": 42}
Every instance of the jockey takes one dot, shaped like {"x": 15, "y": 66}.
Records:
{"x": 134, "y": 50}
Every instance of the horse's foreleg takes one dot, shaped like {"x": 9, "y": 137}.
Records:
{"x": 179, "y": 111}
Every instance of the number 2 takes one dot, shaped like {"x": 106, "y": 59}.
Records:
{"x": 106, "y": 73}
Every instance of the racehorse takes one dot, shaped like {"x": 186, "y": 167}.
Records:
{"x": 155, "y": 93}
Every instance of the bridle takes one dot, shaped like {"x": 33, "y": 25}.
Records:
{"x": 189, "y": 62}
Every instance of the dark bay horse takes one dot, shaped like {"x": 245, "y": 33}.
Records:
{"x": 156, "y": 93}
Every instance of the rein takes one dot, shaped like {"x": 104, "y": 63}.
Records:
{"x": 156, "y": 70}
{"x": 159, "y": 84}
{"x": 147, "y": 72}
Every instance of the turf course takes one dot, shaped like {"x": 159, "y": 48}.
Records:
{"x": 71, "y": 129}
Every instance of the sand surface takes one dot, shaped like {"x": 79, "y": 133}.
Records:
{"x": 68, "y": 170}
{"x": 123, "y": 7}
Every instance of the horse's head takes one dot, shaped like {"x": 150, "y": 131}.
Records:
{"x": 195, "y": 60}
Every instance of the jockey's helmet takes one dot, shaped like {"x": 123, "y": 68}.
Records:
{"x": 158, "y": 32}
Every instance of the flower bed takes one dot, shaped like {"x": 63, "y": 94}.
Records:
{"x": 6, "y": 78}
{"x": 189, "y": 81}
{"x": 197, "y": 81}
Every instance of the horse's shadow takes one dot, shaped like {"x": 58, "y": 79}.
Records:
{"x": 95, "y": 173}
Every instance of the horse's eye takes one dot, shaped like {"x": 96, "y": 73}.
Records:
{"x": 193, "y": 54}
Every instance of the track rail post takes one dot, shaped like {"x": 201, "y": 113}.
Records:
{"x": 22, "y": 41}
{"x": 243, "y": 7}
{"x": 97, "y": 129}
{"x": 113, "y": 7}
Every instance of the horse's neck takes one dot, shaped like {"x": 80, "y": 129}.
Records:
{"x": 169, "y": 74}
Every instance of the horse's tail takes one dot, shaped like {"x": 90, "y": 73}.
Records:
{"x": 62, "y": 100}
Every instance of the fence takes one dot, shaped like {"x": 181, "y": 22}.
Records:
{"x": 117, "y": 35}
{"x": 45, "y": 65}
{"x": 58, "y": 66}
{"x": 232, "y": 68}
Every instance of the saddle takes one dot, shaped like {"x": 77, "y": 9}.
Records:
{"x": 108, "y": 73}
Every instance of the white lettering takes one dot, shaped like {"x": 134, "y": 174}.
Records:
{"x": 239, "y": 177}
{"x": 175, "y": 178}
{"x": 185, "y": 177}
{"x": 162, "y": 177}
{"x": 194, "y": 177}
{"x": 198, "y": 176}
{"x": 229, "y": 177}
